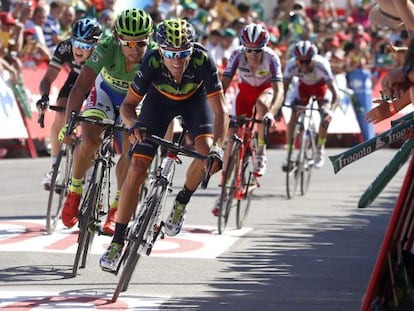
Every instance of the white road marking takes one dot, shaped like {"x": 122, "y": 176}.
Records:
{"x": 192, "y": 242}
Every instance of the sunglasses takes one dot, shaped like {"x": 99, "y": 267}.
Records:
{"x": 133, "y": 44}
{"x": 304, "y": 61}
{"x": 176, "y": 54}
{"x": 82, "y": 45}
{"x": 251, "y": 50}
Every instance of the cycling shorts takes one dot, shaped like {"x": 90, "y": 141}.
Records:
{"x": 247, "y": 96}
{"x": 157, "y": 111}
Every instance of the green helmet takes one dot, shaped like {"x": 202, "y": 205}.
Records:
{"x": 175, "y": 33}
{"x": 134, "y": 23}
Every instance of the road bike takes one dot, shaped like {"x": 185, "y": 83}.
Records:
{"x": 301, "y": 149}
{"x": 148, "y": 226}
{"x": 62, "y": 170}
{"x": 238, "y": 179}
{"x": 95, "y": 201}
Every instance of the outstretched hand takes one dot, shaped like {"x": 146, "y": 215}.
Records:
{"x": 379, "y": 113}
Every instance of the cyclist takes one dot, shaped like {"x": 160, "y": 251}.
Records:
{"x": 72, "y": 52}
{"x": 260, "y": 86}
{"x": 106, "y": 75}
{"x": 177, "y": 79}
{"x": 315, "y": 78}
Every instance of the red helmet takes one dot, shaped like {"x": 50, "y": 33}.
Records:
{"x": 305, "y": 49}
{"x": 254, "y": 36}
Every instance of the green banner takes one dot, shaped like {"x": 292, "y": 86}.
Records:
{"x": 361, "y": 150}
{"x": 386, "y": 174}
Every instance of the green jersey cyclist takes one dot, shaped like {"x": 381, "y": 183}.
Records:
{"x": 106, "y": 76}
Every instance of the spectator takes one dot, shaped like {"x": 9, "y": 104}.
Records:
{"x": 33, "y": 52}
{"x": 107, "y": 20}
{"x": 66, "y": 22}
{"x": 51, "y": 28}
{"x": 37, "y": 22}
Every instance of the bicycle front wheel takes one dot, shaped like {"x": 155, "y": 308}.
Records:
{"x": 309, "y": 149}
{"x": 89, "y": 205}
{"x": 136, "y": 240}
{"x": 58, "y": 187}
{"x": 228, "y": 187}
{"x": 248, "y": 184}
{"x": 293, "y": 171}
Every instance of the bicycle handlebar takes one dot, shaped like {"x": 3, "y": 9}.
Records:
{"x": 106, "y": 123}
{"x": 41, "y": 118}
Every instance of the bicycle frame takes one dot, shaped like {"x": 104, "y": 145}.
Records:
{"x": 302, "y": 149}
{"x": 148, "y": 225}
{"x": 244, "y": 138}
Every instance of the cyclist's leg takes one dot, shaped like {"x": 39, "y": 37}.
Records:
{"x": 198, "y": 120}
{"x": 325, "y": 105}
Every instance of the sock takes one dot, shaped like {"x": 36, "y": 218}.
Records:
{"x": 184, "y": 195}
{"x": 261, "y": 143}
{"x": 119, "y": 233}
{"x": 114, "y": 203}
{"x": 321, "y": 143}
{"x": 53, "y": 160}
{"x": 76, "y": 185}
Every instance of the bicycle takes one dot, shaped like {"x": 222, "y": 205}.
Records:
{"x": 302, "y": 149}
{"x": 96, "y": 200}
{"x": 62, "y": 170}
{"x": 239, "y": 179}
{"x": 148, "y": 225}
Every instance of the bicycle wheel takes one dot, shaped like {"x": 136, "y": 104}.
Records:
{"x": 86, "y": 218}
{"x": 309, "y": 149}
{"x": 228, "y": 187}
{"x": 248, "y": 184}
{"x": 58, "y": 187}
{"x": 293, "y": 159}
{"x": 135, "y": 240}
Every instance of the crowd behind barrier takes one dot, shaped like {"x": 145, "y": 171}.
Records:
{"x": 358, "y": 51}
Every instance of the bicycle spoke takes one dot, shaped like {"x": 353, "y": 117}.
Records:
{"x": 249, "y": 183}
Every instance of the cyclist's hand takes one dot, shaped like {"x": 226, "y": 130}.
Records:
{"x": 136, "y": 133}
{"x": 43, "y": 103}
{"x": 214, "y": 159}
{"x": 269, "y": 121}
{"x": 63, "y": 137}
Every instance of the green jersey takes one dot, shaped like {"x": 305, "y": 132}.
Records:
{"x": 108, "y": 60}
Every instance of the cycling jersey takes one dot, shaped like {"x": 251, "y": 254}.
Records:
{"x": 313, "y": 83}
{"x": 108, "y": 61}
{"x": 165, "y": 98}
{"x": 200, "y": 76}
{"x": 63, "y": 55}
{"x": 269, "y": 70}
{"x": 252, "y": 84}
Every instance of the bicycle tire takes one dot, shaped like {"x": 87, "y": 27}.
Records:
{"x": 248, "y": 181}
{"x": 228, "y": 187}
{"x": 131, "y": 255}
{"x": 58, "y": 187}
{"x": 89, "y": 204}
{"x": 308, "y": 145}
{"x": 293, "y": 163}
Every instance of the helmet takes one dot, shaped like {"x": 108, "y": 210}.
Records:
{"x": 305, "y": 49}
{"x": 254, "y": 36}
{"x": 175, "y": 33}
{"x": 86, "y": 29}
{"x": 133, "y": 22}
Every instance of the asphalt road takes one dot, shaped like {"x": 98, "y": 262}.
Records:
{"x": 309, "y": 253}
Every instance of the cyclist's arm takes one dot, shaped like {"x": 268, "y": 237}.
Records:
{"x": 48, "y": 79}
{"x": 226, "y": 80}
{"x": 221, "y": 117}
{"x": 278, "y": 96}
{"x": 80, "y": 89}
{"x": 286, "y": 83}
{"x": 128, "y": 108}
{"x": 335, "y": 94}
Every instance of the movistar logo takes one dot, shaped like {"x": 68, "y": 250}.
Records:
{"x": 154, "y": 62}
{"x": 199, "y": 61}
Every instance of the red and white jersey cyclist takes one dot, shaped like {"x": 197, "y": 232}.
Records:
{"x": 315, "y": 78}
{"x": 260, "y": 81}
